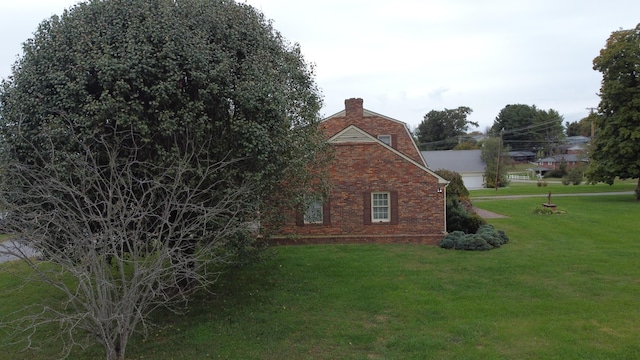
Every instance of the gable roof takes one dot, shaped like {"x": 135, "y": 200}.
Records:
{"x": 522, "y": 153}
{"x": 460, "y": 161}
{"x": 365, "y": 113}
{"x": 370, "y": 114}
{"x": 353, "y": 134}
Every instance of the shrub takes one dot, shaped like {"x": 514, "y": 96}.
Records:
{"x": 542, "y": 210}
{"x": 486, "y": 238}
{"x": 453, "y": 238}
{"x": 574, "y": 176}
{"x": 461, "y": 219}
{"x": 456, "y": 186}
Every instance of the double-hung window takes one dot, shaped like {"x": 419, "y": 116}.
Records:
{"x": 380, "y": 209}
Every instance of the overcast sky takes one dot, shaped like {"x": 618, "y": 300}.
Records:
{"x": 407, "y": 57}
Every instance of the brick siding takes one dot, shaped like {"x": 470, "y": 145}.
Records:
{"x": 361, "y": 168}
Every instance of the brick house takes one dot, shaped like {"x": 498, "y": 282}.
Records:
{"x": 554, "y": 162}
{"x": 381, "y": 188}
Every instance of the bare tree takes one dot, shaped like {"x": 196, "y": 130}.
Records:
{"x": 119, "y": 237}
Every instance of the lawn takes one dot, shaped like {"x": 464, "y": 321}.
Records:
{"x": 565, "y": 287}
{"x": 555, "y": 187}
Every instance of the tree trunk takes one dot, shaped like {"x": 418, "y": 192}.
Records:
{"x": 638, "y": 190}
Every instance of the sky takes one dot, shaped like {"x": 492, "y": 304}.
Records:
{"x": 405, "y": 58}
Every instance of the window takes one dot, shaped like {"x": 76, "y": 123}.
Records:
{"x": 385, "y": 139}
{"x": 380, "y": 207}
{"x": 313, "y": 213}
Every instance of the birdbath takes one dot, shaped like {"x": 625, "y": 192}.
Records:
{"x": 549, "y": 204}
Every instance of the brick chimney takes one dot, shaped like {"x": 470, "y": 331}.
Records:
{"x": 353, "y": 107}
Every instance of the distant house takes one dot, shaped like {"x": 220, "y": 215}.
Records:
{"x": 577, "y": 149}
{"x": 522, "y": 157}
{"x": 468, "y": 163}
{"x": 553, "y": 162}
{"x": 574, "y": 140}
{"x": 381, "y": 189}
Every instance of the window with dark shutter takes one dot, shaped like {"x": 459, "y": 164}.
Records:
{"x": 326, "y": 212}
{"x": 394, "y": 208}
{"x": 366, "y": 203}
{"x": 299, "y": 217}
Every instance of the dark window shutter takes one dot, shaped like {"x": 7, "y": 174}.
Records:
{"x": 300, "y": 216}
{"x": 366, "y": 203}
{"x": 394, "y": 141}
{"x": 394, "y": 208}
{"x": 326, "y": 212}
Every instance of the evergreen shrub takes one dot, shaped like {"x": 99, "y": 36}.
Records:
{"x": 486, "y": 238}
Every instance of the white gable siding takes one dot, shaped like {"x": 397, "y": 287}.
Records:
{"x": 352, "y": 135}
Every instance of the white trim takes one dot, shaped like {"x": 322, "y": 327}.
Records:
{"x": 374, "y": 206}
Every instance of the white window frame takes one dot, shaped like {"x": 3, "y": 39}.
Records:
{"x": 379, "y": 208}
{"x": 382, "y": 137}
{"x": 313, "y": 212}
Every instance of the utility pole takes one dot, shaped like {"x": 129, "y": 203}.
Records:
{"x": 499, "y": 157}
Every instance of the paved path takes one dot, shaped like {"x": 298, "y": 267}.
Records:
{"x": 486, "y": 214}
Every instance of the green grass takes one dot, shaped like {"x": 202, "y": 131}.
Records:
{"x": 555, "y": 187}
{"x": 565, "y": 287}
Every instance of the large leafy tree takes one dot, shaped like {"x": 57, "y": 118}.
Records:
{"x": 494, "y": 156}
{"x": 528, "y": 128}
{"x": 548, "y": 131}
{"x": 166, "y": 130}
{"x": 514, "y": 121}
{"x": 616, "y": 149}
{"x": 582, "y": 127}
{"x": 441, "y": 130}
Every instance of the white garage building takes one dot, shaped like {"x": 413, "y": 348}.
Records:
{"x": 467, "y": 163}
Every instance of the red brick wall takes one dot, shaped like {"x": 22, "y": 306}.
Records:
{"x": 373, "y": 125}
{"x": 359, "y": 168}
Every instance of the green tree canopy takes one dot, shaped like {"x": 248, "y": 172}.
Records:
{"x": 440, "y": 130}
{"x": 493, "y": 155}
{"x": 616, "y": 148}
{"x": 209, "y": 74}
{"x": 581, "y": 127}
{"x": 528, "y": 128}
{"x": 143, "y": 142}
{"x": 456, "y": 186}
{"x": 548, "y": 131}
